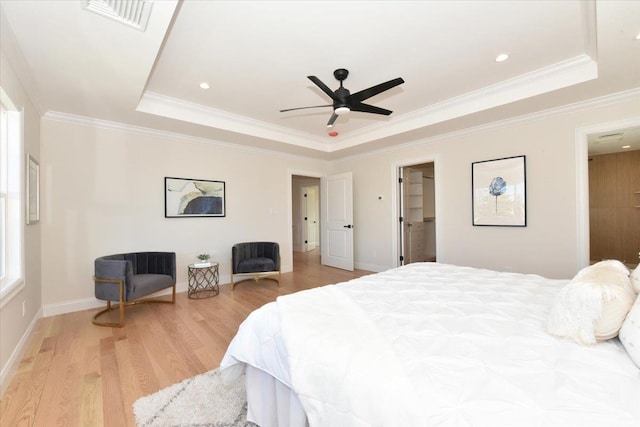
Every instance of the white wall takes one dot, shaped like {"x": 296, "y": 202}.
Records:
{"x": 546, "y": 246}
{"x": 14, "y": 325}
{"x": 103, "y": 193}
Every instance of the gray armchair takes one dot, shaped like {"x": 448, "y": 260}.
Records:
{"x": 128, "y": 277}
{"x": 260, "y": 260}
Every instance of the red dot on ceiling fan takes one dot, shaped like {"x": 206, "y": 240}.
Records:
{"x": 333, "y": 133}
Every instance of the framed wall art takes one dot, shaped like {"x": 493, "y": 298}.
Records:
{"x": 185, "y": 198}
{"x": 33, "y": 190}
{"x": 499, "y": 192}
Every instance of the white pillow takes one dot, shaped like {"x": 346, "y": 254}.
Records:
{"x": 593, "y": 306}
{"x": 630, "y": 332}
{"x": 635, "y": 279}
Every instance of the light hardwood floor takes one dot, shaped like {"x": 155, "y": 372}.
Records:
{"x": 74, "y": 373}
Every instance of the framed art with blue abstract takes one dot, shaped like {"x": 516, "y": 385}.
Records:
{"x": 499, "y": 192}
{"x": 187, "y": 198}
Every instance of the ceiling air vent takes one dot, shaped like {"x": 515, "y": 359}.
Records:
{"x": 605, "y": 139}
{"x": 134, "y": 13}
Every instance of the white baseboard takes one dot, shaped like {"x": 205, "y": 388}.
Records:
{"x": 70, "y": 306}
{"x": 6, "y": 374}
{"x": 91, "y": 303}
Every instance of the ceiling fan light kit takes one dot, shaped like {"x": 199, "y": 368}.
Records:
{"x": 344, "y": 101}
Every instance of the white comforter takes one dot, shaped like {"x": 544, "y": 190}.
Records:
{"x": 436, "y": 345}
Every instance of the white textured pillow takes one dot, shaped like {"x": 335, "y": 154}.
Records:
{"x": 635, "y": 279}
{"x": 593, "y": 306}
{"x": 630, "y": 332}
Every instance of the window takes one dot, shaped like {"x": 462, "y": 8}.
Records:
{"x": 11, "y": 200}
{"x": 3, "y": 189}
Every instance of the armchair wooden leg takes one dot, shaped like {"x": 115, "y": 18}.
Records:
{"x": 267, "y": 275}
{"x": 121, "y": 312}
{"x": 121, "y": 304}
{"x": 120, "y": 323}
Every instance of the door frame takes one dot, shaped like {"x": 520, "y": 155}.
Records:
{"x": 290, "y": 195}
{"x": 396, "y": 199}
{"x": 583, "y": 251}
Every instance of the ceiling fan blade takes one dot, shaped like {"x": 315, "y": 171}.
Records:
{"x": 304, "y": 108}
{"x": 324, "y": 87}
{"x": 374, "y": 90}
{"x": 332, "y": 120}
{"x": 366, "y": 108}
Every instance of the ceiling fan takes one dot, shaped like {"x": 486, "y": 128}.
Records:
{"x": 344, "y": 101}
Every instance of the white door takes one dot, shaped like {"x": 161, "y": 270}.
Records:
{"x": 337, "y": 220}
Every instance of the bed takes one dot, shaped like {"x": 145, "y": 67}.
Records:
{"x": 428, "y": 344}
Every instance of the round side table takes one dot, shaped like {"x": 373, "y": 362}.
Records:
{"x": 203, "y": 280}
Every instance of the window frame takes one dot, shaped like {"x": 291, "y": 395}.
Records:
{"x": 13, "y": 190}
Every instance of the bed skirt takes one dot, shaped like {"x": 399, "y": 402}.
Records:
{"x": 270, "y": 402}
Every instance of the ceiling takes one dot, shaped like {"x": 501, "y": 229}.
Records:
{"x": 256, "y": 57}
{"x": 616, "y": 141}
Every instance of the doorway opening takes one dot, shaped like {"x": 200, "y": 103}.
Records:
{"x": 305, "y": 203}
{"x": 614, "y": 195}
{"x": 417, "y": 207}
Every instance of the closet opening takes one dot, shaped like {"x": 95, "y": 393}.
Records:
{"x": 614, "y": 195}
{"x": 417, "y": 207}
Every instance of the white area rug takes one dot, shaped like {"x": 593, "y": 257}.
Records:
{"x": 199, "y": 401}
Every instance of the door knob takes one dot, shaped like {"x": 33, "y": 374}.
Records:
{"x": 348, "y": 226}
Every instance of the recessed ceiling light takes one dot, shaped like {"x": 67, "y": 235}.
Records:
{"x": 638, "y": 36}
{"x": 502, "y": 57}
{"x": 204, "y": 85}
{"x": 626, "y": 146}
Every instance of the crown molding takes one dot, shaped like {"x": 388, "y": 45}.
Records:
{"x": 614, "y": 98}
{"x": 124, "y": 127}
{"x": 161, "y": 105}
{"x": 590, "y": 24}
{"x": 628, "y": 95}
{"x": 560, "y": 75}
{"x": 570, "y": 72}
